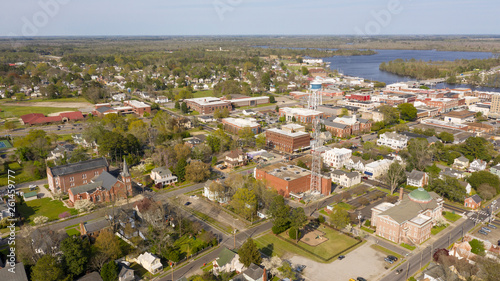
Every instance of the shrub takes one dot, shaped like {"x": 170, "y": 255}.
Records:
{"x": 277, "y": 229}
{"x": 368, "y": 223}
{"x": 292, "y": 233}
{"x": 64, "y": 215}
{"x": 321, "y": 219}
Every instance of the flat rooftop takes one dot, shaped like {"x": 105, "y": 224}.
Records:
{"x": 240, "y": 122}
{"x": 293, "y": 135}
{"x": 208, "y": 101}
{"x": 137, "y": 104}
{"x": 285, "y": 172}
{"x": 301, "y": 111}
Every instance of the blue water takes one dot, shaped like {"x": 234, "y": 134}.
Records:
{"x": 368, "y": 66}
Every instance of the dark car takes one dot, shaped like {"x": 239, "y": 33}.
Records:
{"x": 187, "y": 203}
{"x": 392, "y": 258}
{"x": 399, "y": 271}
{"x": 365, "y": 178}
{"x": 300, "y": 268}
{"x": 498, "y": 242}
{"x": 483, "y": 232}
{"x": 389, "y": 260}
{"x": 492, "y": 226}
{"x": 361, "y": 279}
{"x": 341, "y": 257}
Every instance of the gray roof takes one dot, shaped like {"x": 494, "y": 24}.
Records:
{"x": 254, "y": 271}
{"x": 352, "y": 175}
{"x": 18, "y": 275}
{"x": 64, "y": 148}
{"x": 107, "y": 180}
{"x": 361, "y": 120}
{"x": 476, "y": 198}
{"x": 335, "y": 125}
{"x": 408, "y": 209}
{"x": 416, "y": 175}
{"x": 97, "y": 225}
{"x": 103, "y": 109}
{"x": 79, "y": 167}
{"x": 123, "y": 271}
{"x": 89, "y": 188}
{"x": 462, "y": 159}
{"x": 94, "y": 276}
{"x": 162, "y": 171}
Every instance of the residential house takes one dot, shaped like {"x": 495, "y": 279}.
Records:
{"x": 61, "y": 151}
{"x": 227, "y": 261}
{"x": 93, "y": 228}
{"x": 337, "y": 157}
{"x": 163, "y": 176}
{"x": 461, "y": 163}
{"x": 93, "y": 276}
{"x": 148, "y": 209}
{"x": 495, "y": 170}
{"x": 449, "y": 172}
{"x": 16, "y": 273}
{"x": 126, "y": 273}
{"x": 346, "y": 179}
{"x": 357, "y": 163}
{"x": 79, "y": 140}
{"x": 473, "y": 201}
{"x": 434, "y": 272}
{"x": 46, "y": 242}
{"x": 4, "y": 210}
{"x": 417, "y": 178}
{"x": 235, "y": 158}
{"x": 150, "y": 262}
{"x": 477, "y": 165}
{"x": 161, "y": 99}
{"x": 252, "y": 273}
{"x": 393, "y": 140}
{"x": 215, "y": 195}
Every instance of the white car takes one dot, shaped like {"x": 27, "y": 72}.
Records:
{"x": 33, "y": 186}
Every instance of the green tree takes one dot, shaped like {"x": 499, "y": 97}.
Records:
{"x": 244, "y": 202}
{"x": 446, "y": 137}
{"x": 109, "y": 244}
{"x": 280, "y": 214}
{"x": 9, "y": 125}
{"x": 109, "y": 271}
{"x": 301, "y": 164}
{"x": 260, "y": 141}
{"x": 298, "y": 219}
{"x": 448, "y": 187}
{"x": 177, "y": 105}
{"x": 304, "y": 70}
{"x": 249, "y": 253}
{"x": 391, "y": 114}
{"x": 76, "y": 253}
{"x": 272, "y": 99}
{"x": 287, "y": 271}
{"x": 277, "y": 109}
{"x": 197, "y": 171}
{"x": 339, "y": 217}
{"x": 184, "y": 108}
{"x": 246, "y": 135}
{"x": 214, "y": 160}
{"x": 180, "y": 169}
{"x": 47, "y": 269}
{"x": 477, "y": 148}
{"x": 344, "y": 112}
{"x": 408, "y": 111}
{"x": 266, "y": 80}
{"x": 478, "y": 178}
{"x": 477, "y": 247}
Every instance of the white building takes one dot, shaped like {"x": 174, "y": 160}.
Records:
{"x": 150, "y": 262}
{"x": 337, "y": 157}
{"x": 119, "y": 97}
{"x": 161, "y": 99}
{"x": 163, "y": 175}
{"x": 346, "y": 179}
{"x": 377, "y": 168}
{"x": 215, "y": 195}
{"x": 393, "y": 140}
{"x": 477, "y": 165}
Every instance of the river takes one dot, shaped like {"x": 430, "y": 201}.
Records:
{"x": 368, "y": 66}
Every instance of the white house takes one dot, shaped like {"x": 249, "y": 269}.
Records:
{"x": 337, "y": 157}
{"x": 215, "y": 195}
{"x": 417, "y": 178}
{"x": 477, "y": 165}
{"x": 163, "y": 175}
{"x": 346, "y": 179}
{"x": 393, "y": 140}
{"x": 377, "y": 168}
{"x": 161, "y": 99}
{"x": 119, "y": 97}
{"x": 150, "y": 262}
{"x": 449, "y": 172}
{"x": 461, "y": 163}
{"x": 227, "y": 261}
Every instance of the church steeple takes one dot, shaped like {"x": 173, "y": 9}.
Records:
{"x": 125, "y": 172}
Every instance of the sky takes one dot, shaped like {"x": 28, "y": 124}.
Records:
{"x": 29, "y": 18}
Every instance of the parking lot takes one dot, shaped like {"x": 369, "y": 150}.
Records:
{"x": 364, "y": 262}
{"x": 492, "y": 236}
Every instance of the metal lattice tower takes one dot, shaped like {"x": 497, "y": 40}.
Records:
{"x": 315, "y": 99}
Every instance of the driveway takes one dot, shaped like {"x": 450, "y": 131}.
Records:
{"x": 362, "y": 262}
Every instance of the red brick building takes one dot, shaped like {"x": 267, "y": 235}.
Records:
{"x": 288, "y": 178}
{"x": 359, "y": 97}
{"x": 287, "y": 141}
{"x": 40, "y": 119}
{"x": 63, "y": 177}
{"x": 104, "y": 188}
{"x": 208, "y": 105}
{"x": 443, "y": 104}
{"x": 138, "y": 107}
{"x": 234, "y": 125}
{"x": 473, "y": 202}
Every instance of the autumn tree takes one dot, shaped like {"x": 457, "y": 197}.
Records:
{"x": 108, "y": 244}
{"x": 197, "y": 171}
{"x": 339, "y": 217}
{"x": 244, "y": 202}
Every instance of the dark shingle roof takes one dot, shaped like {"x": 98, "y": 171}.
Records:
{"x": 103, "y": 109}
{"x": 416, "y": 175}
{"x": 476, "y": 198}
{"x": 94, "y": 276}
{"x": 254, "y": 271}
{"x": 79, "y": 167}
{"x": 89, "y": 188}
{"x": 336, "y": 125}
{"x": 96, "y": 225}
{"x": 107, "y": 180}
{"x": 18, "y": 275}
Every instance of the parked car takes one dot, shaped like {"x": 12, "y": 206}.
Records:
{"x": 392, "y": 258}
{"x": 364, "y": 177}
{"x": 300, "y": 268}
{"x": 361, "y": 279}
{"x": 389, "y": 260}
{"x": 492, "y": 226}
{"x": 187, "y": 203}
{"x": 33, "y": 186}
{"x": 486, "y": 229}
{"x": 341, "y": 257}
{"x": 399, "y": 271}
{"x": 482, "y": 232}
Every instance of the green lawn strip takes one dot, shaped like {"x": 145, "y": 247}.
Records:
{"x": 323, "y": 212}
{"x": 368, "y": 229}
{"x": 186, "y": 245}
{"x": 43, "y": 207}
{"x": 385, "y": 250}
{"x": 215, "y": 223}
{"x": 207, "y": 267}
{"x": 6, "y": 230}
{"x": 17, "y": 111}
{"x": 271, "y": 245}
{"x": 276, "y": 278}
{"x": 436, "y": 229}
{"x": 19, "y": 177}
{"x": 409, "y": 247}
{"x": 73, "y": 99}
{"x": 72, "y": 232}
{"x": 72, "y": 226}
{"x": 451, "y": 217}
{"x": 203, "y": 94}
{"x": 345, "y": 206}
{"x": 27, "y": 189}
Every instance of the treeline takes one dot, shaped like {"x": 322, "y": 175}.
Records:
{"x": 420, "y": 69}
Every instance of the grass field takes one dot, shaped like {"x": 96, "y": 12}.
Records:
{"x": 74, "y": 99}
{"x": 436, "y": 229}
{"x": 72, "y": 232}
{"x": 202, "y": 94}
{"x": 20, "y": 175}
{"x": 187, "y": 244}
{"x": 43, "y": 207}
{"x": 409, "y": 247}
{"x": 270, "y": 245}
{"x": 451, "y": 217}
{"x": 16, "y": 111}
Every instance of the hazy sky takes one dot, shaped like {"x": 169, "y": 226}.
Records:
{"x": 248, "y": 17}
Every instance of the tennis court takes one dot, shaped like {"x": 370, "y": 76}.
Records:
{"x": 5, "y": 144}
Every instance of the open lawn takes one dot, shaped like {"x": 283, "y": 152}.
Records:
{"x": 72, "y": 232}
{"x": 270, "y": 245}
{"x": 20, "y": 175}
{"x": 16, "y": 111}
{"x": 202, "y": 94}
{"x": 436, "y": 229}
{"x": 43, "y": 207}
{"x": 74, "y": 99}
{"x": 451, "y": 217}
{"x": 409, "y": 247}
{"x": 186, "y": 245}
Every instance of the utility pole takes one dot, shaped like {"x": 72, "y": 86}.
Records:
{"x": 407, "y": 269}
